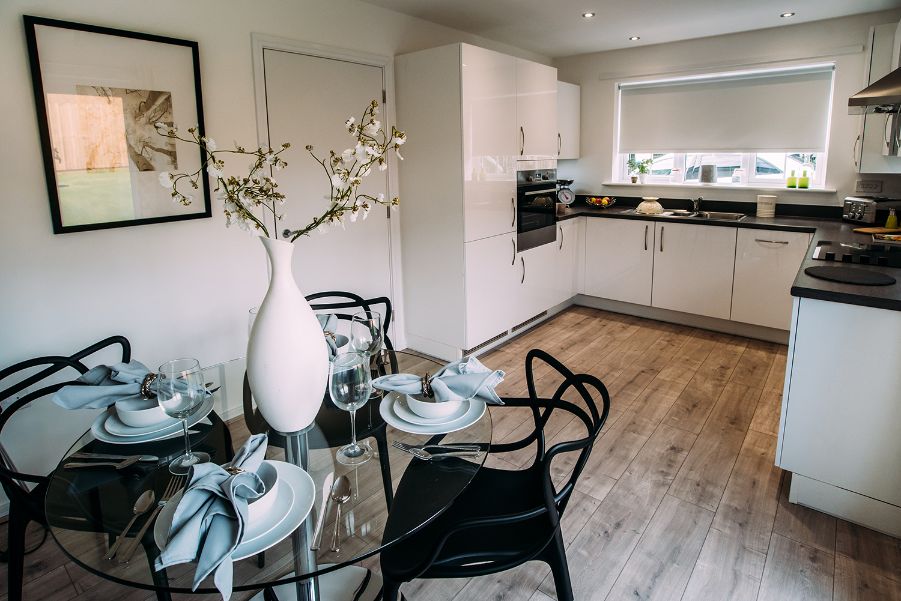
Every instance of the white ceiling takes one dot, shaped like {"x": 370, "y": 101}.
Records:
{"x": 556, "y": 28}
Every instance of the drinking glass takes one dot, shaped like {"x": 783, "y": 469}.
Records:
{"x": 349, "y": 385}
{"x": 180, "y": 392}
{"x": 366, "y": 332}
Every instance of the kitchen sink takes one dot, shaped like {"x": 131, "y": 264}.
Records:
{"x": 709, "y": 215}
{"x": 719, "y": 215}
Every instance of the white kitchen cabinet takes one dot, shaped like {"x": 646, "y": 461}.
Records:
{"x": 766, "y": 263}
{"x": 870, "y": 147}
{"x": 566, "y": 260}
{"x": 537, "y": 282}
{"x": 619, "y": 259}
{"x": 693, "y": 268}
{"x": 569, "y": 109}
{"x": 492, "y": 286}
{"x": 488, "y": 111}
{"x": 536, "y": 109}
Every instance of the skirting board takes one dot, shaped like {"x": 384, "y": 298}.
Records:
{"x": 686, "y": 319}
{"x": 845, "y": 504}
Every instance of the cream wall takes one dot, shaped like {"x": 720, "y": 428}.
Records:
{"x": 842, "y": 40}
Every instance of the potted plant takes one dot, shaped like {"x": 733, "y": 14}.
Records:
{"x": 638, "y": 170}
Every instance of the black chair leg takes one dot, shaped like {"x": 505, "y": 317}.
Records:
{"x": 269, "y": 594}
{"x": 381, "y": 440}
{"x": 17, "y": 526}
{"x": 555, "y": 556}
{"x": 160, "y": 578}
{"x": 390, "y": 590}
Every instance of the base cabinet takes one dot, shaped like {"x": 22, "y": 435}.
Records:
{"x": 619, "y": 259}
{"x": 492, "y": 287}
{"x": 766, "y": 263}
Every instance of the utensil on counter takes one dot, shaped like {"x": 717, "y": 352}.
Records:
{"x": 141, "y": 458}
{"x": 174, "y": 485}
{"x": 119, "y": 465}
{"x": 142, "y": 505}
{"x": 340, "y": 495}
{"x": 323, "y": 508}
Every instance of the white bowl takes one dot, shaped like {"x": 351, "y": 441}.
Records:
{"x": 140, "y": 413}
{"x": 429, "y": 409}
{"x": 261, "y": 505}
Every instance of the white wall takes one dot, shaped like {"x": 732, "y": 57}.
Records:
{"x": 842, "y": 40}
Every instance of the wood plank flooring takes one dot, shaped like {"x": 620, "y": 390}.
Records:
{"x": 679, "y": 501}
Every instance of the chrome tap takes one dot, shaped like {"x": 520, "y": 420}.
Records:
{"x": 696, "y": 204}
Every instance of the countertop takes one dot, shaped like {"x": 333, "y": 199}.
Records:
{"x": 804, "y": 286}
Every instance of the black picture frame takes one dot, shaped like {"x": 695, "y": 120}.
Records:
{"x": 92, "y": 197}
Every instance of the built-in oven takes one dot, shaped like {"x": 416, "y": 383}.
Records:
{"x": 536, "y": 214}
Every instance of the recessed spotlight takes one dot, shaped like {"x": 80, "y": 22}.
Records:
{"x": 634, "y": 38}
{"x": 588, "y": 15}
{"x": 787, "y": 15}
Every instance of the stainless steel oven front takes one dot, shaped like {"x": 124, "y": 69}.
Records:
{"x": 536, "y": 214}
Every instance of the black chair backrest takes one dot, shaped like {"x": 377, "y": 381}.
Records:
{"x": 13, "y": 481}
{"x": 334, "y": 301}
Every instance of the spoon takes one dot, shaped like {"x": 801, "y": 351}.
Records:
{"x": 340, "y": 496}
{"x": 144, "y": 502}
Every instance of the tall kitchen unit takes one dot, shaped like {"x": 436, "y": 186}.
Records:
{"x": 470, "y": 113}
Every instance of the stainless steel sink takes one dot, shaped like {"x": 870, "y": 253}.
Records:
{"x": 719, "y": 215}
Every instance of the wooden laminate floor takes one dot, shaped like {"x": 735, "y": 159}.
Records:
{"x": 680, "y": 499}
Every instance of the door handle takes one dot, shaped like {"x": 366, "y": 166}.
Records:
{"x": 522, "y": 281}
{"x": 561, "y": 238}
{"x": 513, "y": 261}
{"x": 662, "y": 228}
{"x": 559, "y": 143}
{"x": 783, "y": 242}
{"x": 854, "y": 154}
{"x": 522, "y": 143}
{"x": 645, "y": 237}
{"x": 513, "y": 208}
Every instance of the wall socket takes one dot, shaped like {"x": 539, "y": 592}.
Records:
{"x": 868, "y": 186}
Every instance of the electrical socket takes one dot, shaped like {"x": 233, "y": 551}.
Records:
{"x": 868, "y": 186}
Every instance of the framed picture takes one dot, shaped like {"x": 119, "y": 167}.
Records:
{"x": 99, "y": 92}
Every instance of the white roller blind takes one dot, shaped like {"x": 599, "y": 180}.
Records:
{"x": 752, "y": 111}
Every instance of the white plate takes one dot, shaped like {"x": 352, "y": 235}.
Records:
{"x": 99, "y": 431}
{"x": 117, "y": 427}
{"x": 386, "y": 409}
{"x": 287, "y": 513}
{"x": 403, "y": 411}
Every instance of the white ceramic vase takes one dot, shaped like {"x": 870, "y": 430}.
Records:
{"x": 287, "y": 356}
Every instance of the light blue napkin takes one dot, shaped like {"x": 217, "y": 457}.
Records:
{"x": 462, "y": 380}
{"x": 329, "y": 324}
{"x": 211, "y": 516}
{"x": 103, "y": 386}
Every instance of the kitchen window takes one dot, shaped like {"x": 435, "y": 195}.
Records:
{"x": 756, "y": 126}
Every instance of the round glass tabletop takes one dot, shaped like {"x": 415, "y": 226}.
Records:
{"x": 88, "y": 509}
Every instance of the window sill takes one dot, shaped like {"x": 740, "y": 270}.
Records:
{"x": 748, "y": 187}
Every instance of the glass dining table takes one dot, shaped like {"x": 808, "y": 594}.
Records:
{"x": 88, "y": 509}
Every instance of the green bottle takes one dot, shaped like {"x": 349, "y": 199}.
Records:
{"x": 791, "y": 181}
{"x": 892, "y": 221}
{"x": 804, "y": 181}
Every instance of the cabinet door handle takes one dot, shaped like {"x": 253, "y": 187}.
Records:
{"x": 854, "y": 154}
{"x": 513, "y": 208}
{"x": 561, "y": 237}
{"x": 783, "y": 242}
{"x": 522, "y": 281}
{"x": 513, "y": 261}
{"x": 559, "y": 143}
{"x": 522, "y": 142}
{"x": 645, "y": 237}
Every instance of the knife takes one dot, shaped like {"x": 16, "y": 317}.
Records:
{"x": 151, "y": 458}
{"x": 326, "y": 490}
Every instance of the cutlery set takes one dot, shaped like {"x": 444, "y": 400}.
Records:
{"x": 431, "y": 452}
{"x": 144, "y": 504}
{"x": 338, "y": 491}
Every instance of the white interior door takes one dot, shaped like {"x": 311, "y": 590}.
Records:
{"x": 308, "y": 98}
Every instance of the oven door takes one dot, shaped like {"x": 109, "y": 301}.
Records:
{"x": 536, "y": 216}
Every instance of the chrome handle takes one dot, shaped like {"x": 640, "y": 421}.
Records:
{"x": 559, "y": 143}
{"x": 854, "y": 154}
{"x": 561, "y": 238}
{"x": 536, "y": 192}
{"x": 522, "y": 281}
{"x": 513, "y": 240}
{"x": 513, "y": 207}
{"x": 662, "y": 228}
{"x": 645, "y": 237}
{"x": 784, "y": 242}
{"x": 885, "y": 134}
{"x": 522, "y": 143}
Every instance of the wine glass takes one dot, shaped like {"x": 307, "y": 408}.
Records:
{"x": 349, "y": 385}
{"x": 180, "y": 392}
{"x": 366, "y": 332}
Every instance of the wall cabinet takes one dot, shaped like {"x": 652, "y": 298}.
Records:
{"x": 693, "y": 267}
{"x": 569, "y": 109}
{"x": 766, "y": 263}
{"x": 619, "y": 259}
{"x": 871, "y": 153}
{"x": 536, "y": 109}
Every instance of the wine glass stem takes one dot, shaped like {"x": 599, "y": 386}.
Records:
{"x": 353, "y": 428}
{"x": 184, "y": 425}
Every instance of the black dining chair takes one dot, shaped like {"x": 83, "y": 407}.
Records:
{"x": 503, "y": 518}
{"x": 26, "y": 492}
{"x": 334, "y": 423}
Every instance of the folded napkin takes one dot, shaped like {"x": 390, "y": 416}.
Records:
{"x": 211, "y": 516}
{"x": 462, "y": 380}
{"x": 103, "y": 386}
{"x": 329, "y": 324}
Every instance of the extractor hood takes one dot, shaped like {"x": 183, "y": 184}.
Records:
{"x": 881, "y": 96}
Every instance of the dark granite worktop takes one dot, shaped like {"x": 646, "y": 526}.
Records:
{"x": 805, "y": 286}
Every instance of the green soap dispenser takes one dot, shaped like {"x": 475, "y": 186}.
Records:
{"x": 791, "y": 181}
{"x": 804, "y": 181}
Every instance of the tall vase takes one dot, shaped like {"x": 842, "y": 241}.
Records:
{"x": 287, "y": 356}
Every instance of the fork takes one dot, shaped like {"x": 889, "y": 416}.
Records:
{"x": 425, "y": 447}
{"x": 426, "y": 456}
{"x": 116, "y": 464}
{"x": 174, "y": 485}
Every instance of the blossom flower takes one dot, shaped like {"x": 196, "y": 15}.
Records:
{"x": 210, "y": 144}
{"x": 372, "y": 128}
{"x": 166, "y": 179}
